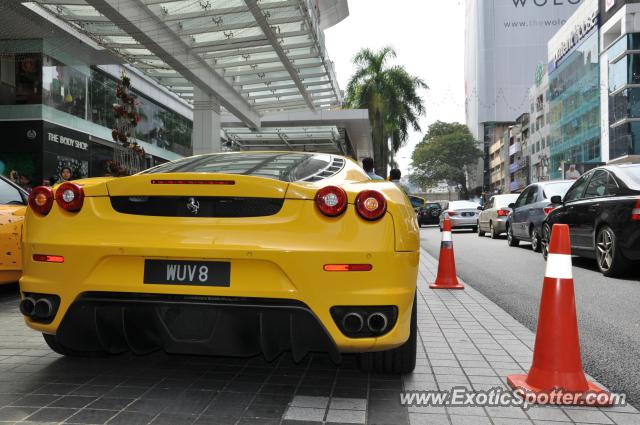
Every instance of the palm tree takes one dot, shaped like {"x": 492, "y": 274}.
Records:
{"x": 390, "y": 94}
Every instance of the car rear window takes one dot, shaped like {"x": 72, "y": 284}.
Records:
{"x": 459, "y": 205}
{"x": 504, "y": 200}
{"x": 289, "y": 167}
{"x": 432, "y": 205}
{"x": 556, "y": 189}
{"x": 632, "y": 174}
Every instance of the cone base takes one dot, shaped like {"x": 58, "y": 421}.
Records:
{"x": 436, "y": 286}
{"x": 577, "y": 399}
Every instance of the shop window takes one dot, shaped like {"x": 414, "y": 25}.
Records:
{"x": 20, "y": 79}
{"x": 64, "y": 87}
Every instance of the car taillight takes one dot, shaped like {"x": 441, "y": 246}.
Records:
{"x": 451, "y": 213}
{"x": 70, "y": 196}
{"x": 635, "y": 214}
{"x": 331, "y": 201}
{"x": 503, "y": 212}
{"x": 547, "y": 210}
{"x": 41, "y": 199}
{"x": 371, "y": 205}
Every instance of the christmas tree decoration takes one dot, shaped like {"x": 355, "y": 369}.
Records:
{"x": 127, "y": 117}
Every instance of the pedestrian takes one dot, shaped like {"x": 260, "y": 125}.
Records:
{"x": 572, "y": 173}
{"x": 367, "y": 164}
{"x": 65, "y": 175}
{"x": 394, "y": 177}
{"x": 25, "y": 183}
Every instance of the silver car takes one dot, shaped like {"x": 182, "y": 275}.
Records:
{"x": 493, "y": 217}
{"x": 463, "y": 215}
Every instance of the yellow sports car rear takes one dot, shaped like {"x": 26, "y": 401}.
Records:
{"x": 226, "y": 254}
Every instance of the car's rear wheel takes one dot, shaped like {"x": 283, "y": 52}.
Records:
{"x": 610, "y": 260}
{"x": 54, "y": 344}
{"x": 397, "y": 360}
{"x": 492, "y": 231}
{"x": 480, "y": 232}
{"x": 511, "y": 240}
{"x": 544, "y": 241}
{"x": 536, "y": 242}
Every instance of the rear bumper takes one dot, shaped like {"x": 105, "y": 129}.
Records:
{"x": 223, "y": 326}
{"x": 460, "y": 223}
{"x": 500, "y": 224}
{"x": 279, "y": 257}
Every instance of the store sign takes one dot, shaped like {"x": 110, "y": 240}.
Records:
{"x": 608, "y": 4}
{"x": 578, "y": 33}
{"x": 542, "y": 3}
{"x": 68, "y": 141}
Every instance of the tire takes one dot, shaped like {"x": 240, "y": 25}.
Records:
{"x": 544, "y": 241}
{"x": 398, "y": 360}
{"x": 54, "y": 344}
{"x": 511, "y": 240}
{"x": 536, "y": 242}
{"x": 492, "y": 231}
{"x": 480, "y": 232}
{"x": 610, "y": 260}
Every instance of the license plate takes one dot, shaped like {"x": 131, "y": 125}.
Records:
{"x": 468, "y": 214}
{"x": 177, "y": 272}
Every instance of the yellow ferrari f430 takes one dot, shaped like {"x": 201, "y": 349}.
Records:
{"x": 234, "y": 254}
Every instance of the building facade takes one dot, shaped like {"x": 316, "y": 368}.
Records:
{"x": 619, "y": 81}
{"x": 504, "y": 42}
{"x": 539, "y": 128}
{"x": 56, "y": 111}
{"x": 574, "y": 92}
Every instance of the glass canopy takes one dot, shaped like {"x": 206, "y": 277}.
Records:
{"x": 328, "y": 139}
{"x": 271, "y": 52}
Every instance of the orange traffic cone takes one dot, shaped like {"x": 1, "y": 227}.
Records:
{"x": 446, "y": 278}
{"x": 556, "y": 370}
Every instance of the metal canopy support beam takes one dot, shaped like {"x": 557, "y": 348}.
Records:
{"x": 268, "y": 32}
{"x": 135, "y": 18}
{"x": 206, "y": 123}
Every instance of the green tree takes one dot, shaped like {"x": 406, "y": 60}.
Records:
{"x": 445, "y": 153}
{"x": 390, "y": 94}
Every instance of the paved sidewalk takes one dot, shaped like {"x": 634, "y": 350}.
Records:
{"x": 465, "y": 340}
{"x": 469, "y": 341}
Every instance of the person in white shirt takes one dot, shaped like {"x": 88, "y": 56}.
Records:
{"x": 367, "y": 164}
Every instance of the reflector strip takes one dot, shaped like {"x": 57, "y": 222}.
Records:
{"x": 559, "y": 266}
{"x": 214, "y": 182}
{"x": 48, "y": 258}
{"x": 347, "y": 267}
{"x": 635, "y": 214}
{"x": 446, "y": 236}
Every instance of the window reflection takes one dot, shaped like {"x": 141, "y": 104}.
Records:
{"x": 64, "y": 87}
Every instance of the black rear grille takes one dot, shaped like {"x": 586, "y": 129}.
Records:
{"x": 196, "y": 206}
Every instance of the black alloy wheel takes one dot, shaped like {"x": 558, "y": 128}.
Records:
{"x": 610, "y": 260}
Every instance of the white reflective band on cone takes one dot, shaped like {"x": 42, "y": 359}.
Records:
{"x": 559, "y": 266}
{"x": 446, "y": 236}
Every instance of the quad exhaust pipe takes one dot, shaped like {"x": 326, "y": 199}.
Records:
{"x": 41, "y": 308}
{"x": 377, "y": 322}
{"x": 353, "y": 322}
{"x": 27, "y": 306}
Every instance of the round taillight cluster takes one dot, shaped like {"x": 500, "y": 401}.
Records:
{"x": 331, "y": 201}
{"x": 41, "y": 199}
{"x": 371, "y": 205}
{"x": 70, "y": 196}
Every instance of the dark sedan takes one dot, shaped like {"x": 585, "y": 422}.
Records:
{"x": 602, "y": 210}
{"x": 530, "y": 209}
{"x": 429, "y": 213}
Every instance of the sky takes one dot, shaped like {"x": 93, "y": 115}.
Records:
{"x": 428, "y": 36}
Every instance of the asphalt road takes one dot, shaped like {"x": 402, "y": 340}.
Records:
{"x": 608, "y": 309}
